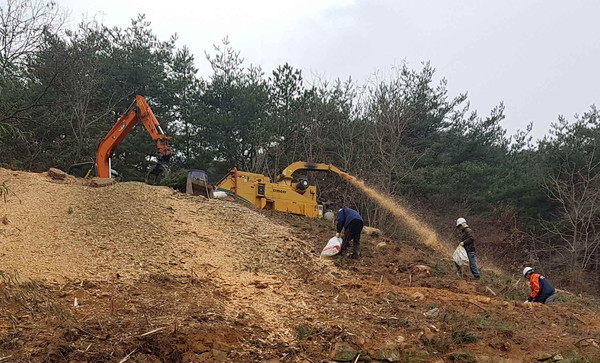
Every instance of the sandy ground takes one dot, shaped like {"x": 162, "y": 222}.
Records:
{"x": 224, "y": 282}
{"x": 61, "y": 232}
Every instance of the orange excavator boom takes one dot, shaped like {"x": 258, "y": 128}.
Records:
{"x": 139, "y": 111}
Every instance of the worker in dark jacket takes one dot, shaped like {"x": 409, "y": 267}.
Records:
{"x": 542, "y": 290}
{"x": 468, "y": 242}
{"x": 352, "y": 223}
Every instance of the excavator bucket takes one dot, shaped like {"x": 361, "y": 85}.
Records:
{"x": 158, "y": 169}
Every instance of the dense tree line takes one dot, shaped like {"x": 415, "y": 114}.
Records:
{"x": 61, "y": 90}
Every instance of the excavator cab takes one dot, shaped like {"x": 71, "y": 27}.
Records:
{"x": 198, "y": 184}
{"x": 84, "y": 170}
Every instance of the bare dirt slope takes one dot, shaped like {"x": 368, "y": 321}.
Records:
{"x": 138, "y": 273}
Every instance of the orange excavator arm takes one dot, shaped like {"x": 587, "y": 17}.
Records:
{"x": 139, "y": 111}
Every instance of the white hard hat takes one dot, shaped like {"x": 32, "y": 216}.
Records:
{"x": 461, "y": 221}
{"x": 527, "y": 270}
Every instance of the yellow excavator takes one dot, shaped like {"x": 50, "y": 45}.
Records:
{"x": 287, "y": 194}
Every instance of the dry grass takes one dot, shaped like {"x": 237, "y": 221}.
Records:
{"x": 28, "y": 298}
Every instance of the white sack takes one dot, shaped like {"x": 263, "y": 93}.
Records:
{"x": 332, "y": 248}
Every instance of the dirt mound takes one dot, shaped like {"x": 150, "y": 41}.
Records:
{"x": 144, "y": 273}
{"x": 130, "y": 231}
{"x": 64, "y": 232}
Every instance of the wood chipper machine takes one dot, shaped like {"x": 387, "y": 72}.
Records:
{"x": 287, "y": 194}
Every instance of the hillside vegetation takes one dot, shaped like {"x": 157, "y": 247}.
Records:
{"x": 405, "y": 134}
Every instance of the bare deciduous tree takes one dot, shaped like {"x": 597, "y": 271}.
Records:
{"x": 575, "y": 236}
{"x": 23, "y": 25}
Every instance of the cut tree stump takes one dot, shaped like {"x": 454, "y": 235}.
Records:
{"x": 101, "y": 182}
{"x": 57, "y": 174}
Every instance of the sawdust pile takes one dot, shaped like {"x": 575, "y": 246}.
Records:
{"x": 142, "y": 272}
{"x": 58, "y": 231}
{"x": 65, "y": 231}
{"x": 62, "y": 231}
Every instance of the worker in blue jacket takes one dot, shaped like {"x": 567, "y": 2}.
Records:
{"x": 352, "y": 223}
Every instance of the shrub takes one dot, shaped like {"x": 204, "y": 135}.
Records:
{"x": 175, "y": 179}
{"x": 464, "y": 337}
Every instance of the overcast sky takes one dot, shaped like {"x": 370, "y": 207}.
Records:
{"x": 542, "y": 58}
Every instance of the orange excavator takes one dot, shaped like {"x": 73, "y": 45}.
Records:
{"x": 139, "y": 111}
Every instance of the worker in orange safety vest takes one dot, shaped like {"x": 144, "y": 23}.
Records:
{"x": 542, "y": 290}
